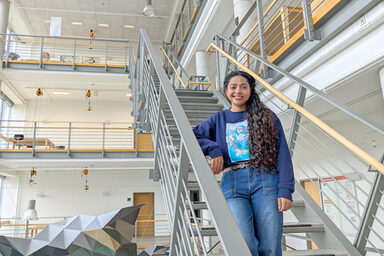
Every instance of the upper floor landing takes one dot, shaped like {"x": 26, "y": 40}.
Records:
{"x": 66, "y": 54}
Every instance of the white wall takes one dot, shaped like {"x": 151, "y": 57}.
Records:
{"x": 76, "y": 110}
{"x": 60, "y": 194}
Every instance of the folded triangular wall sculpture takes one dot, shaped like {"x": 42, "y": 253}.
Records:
{"x": 79, "y": 235}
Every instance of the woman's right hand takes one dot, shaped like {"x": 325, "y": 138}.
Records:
{"x": 217, "y": 164}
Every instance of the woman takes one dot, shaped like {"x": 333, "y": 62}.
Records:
{"x": 247, "y": 143}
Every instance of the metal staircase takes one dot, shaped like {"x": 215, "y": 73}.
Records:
{"x": 205, "y": 226}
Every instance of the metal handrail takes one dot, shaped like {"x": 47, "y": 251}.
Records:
{"x": 333, "y": 133}
{"x": 306, "y": 85}
{"x": 173, "y": 174}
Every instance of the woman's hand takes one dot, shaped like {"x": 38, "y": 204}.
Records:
{"x": 217, "y": 164}
{"x": 284, "y": 204}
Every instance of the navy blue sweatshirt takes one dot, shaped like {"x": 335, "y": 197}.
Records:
{"x": 225, "y": 133}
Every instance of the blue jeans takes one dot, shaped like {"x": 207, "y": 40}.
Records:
{"x": 252, "y": 199}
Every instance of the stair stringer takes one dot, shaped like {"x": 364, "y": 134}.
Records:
{"x": 332, "y": 237}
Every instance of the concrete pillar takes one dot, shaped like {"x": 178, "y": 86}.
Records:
{"x": 4, "y": 14}
{"x": 201, "y": 63}
{"x": 202, "y": 68}
{"x": 240, "y": 8}
{"x": 381, "y": 74}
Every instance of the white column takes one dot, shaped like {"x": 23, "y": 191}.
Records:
{"x": 202, "y": 68}
{"x": 240, "y": 8}
{"x": 4, "y": 14}
{"x": 201, "y": 63}
{"x": 381, "y": 74}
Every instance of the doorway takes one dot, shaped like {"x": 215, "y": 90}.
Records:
{"x": 145, "y": 224}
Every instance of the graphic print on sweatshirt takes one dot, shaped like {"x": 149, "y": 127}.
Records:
{"x": 237, "y": 141}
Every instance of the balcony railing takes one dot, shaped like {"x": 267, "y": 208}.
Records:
{"x": 280, "y": 24}
{"x": 55, "y": 136}
{"x": 66, "y": 53}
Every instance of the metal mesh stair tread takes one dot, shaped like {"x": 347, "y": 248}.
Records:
{"x": 292, "y": 227}
{"x": 192, "y": 99}
{"x": 199, "y": 205}
{"x": 320, "y": 252}
{"x": 199, "y": 106}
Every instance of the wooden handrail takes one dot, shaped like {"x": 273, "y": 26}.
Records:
{"x": 173, "y": 67}
{"x": 323, "y": 126}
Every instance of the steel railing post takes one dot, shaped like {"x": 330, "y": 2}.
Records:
{"x": 7, "y": 52}
{"x": 34, "y": 139}
{"x": 74, "y": 55}
{"x": 125, "y": 57}
{"x": 218, "y": 66}
{"x": 161, "y": 106}
{"x": 103, "y": 142}
{"x": 310, "y": 33}
{"x": 370, "y": 211}
{"x": 106, "y": 56}
{"x": 296, "y": 120}
{"x": 266, "y": 72}
{"x": 69, "y": 140}
{"x": 41, "y": 52}
{"x": 182, "y": 174}
{"x": 136, "y": 143}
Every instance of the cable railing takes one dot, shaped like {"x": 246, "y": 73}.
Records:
{"x": 51, "y": 136}
{"x": 323, "y": 159}
{"x": 181, "y": 79}
{"x": 281, "y": 23}
{"x": 175, "y": 159}
{"x": 66, "y": 52}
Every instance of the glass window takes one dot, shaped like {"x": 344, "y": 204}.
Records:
{"x": 2, "y": 179}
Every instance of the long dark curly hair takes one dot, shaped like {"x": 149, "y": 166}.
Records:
{"x": 263, "y": 133}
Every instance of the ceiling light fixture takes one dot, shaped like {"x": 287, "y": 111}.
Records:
{"x": 129, "y": 26}
{"x": 148, "y": 9}
{"x": 61, "y": 93}
{"x": 103, "y": 25}
{"x": 129, "y": 94}
{"x": 77, "y": 23}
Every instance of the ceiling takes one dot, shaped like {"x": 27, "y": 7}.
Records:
{"x": 32, "y": 17}
{"x": 104, "y": 86}
{"x": 91, "y": 13}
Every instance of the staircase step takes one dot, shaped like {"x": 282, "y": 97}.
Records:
{"x": 193, "y": 93}
{"x": 192, "y": 114}
{"x": 288, "y": 228}
{"x": 206, "y": 231}
{"x": 320, "y": 252}
{"x": 189, "y": 99}
{"x": 192, "y": 121}
{"x": 201, "y": 106}
{"x": 197, "y": 205}
{"x": 299, "y": 227}
{"x": 193, "y": 185}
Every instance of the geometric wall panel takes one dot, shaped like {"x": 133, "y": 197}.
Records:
{"x": 78, "y": 236}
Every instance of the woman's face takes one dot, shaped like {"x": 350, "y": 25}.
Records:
{"x": 238, "y": 92}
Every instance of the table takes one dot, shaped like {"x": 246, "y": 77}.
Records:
{"x": 28, "y": 142}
